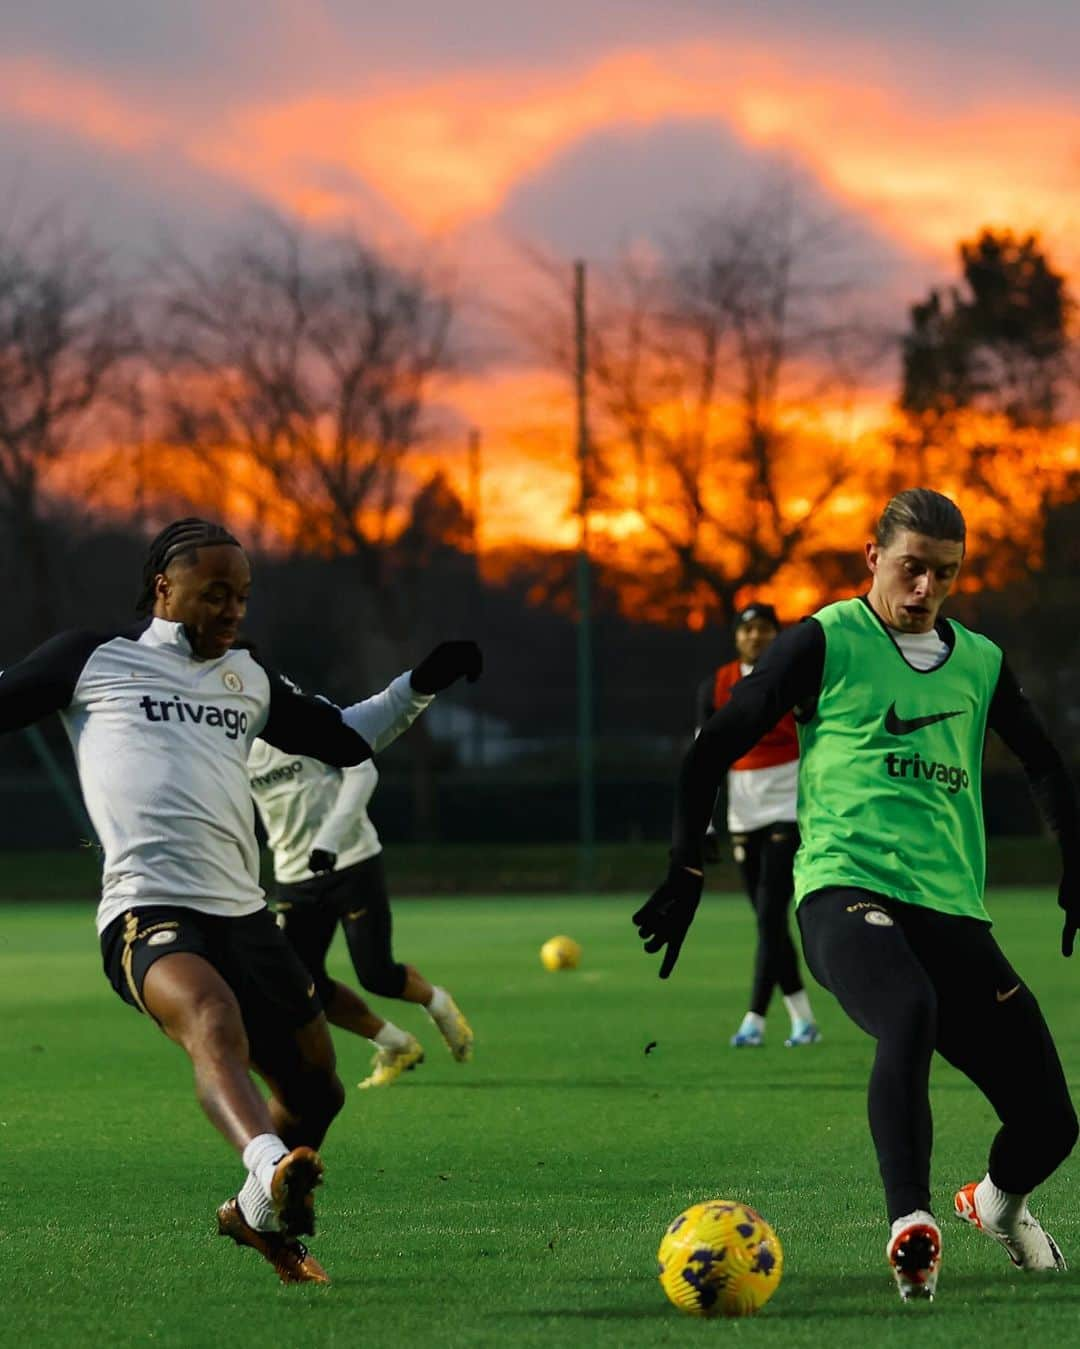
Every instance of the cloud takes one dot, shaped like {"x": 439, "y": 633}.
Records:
{"x": 436, "y": 154}
{"x": 446, "y": 152}
{"x": 45, "y": 95}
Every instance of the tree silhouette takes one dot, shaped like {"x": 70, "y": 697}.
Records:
{"x": 998, "y": 342}
{"x": 65, "y": 334}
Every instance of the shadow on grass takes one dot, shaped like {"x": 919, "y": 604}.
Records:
{"x": 516, "y": 1084}
{"x": 873, "y": 1295}
{"x": 662, "y": 1310}
{"x": 796, "y": 1084}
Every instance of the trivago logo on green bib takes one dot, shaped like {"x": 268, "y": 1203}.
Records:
{"x": 953, "y": 777}
{"x": 890, "y": 769}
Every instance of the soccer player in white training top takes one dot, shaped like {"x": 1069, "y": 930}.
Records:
{"x": 161, "y": 717}
{"x": 893, "y": 702}
{"x": 329, "y": 869}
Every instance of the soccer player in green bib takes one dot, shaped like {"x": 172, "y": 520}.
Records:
{"x": 893, "y": 703}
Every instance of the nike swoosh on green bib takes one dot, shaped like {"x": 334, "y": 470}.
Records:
{"x": 900, "y": 726}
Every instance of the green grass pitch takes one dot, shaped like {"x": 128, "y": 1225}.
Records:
{"x": 516, "y": 1200}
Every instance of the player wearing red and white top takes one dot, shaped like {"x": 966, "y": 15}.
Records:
{"x": 762, "y": 794}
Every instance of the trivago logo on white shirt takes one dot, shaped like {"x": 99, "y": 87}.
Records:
{"x": 306, "y": 804}
{"x": 234, "y": 723}
{"x": 161, "y": 741}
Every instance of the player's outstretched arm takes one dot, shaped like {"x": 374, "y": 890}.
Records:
{"x": 298, "y": 723}
{"x": 665, "y": 917}
{"x": 45, "y": 680}
{"x": 354, "y": 793}
{"x": 381, "y": 719}
{"x": 788, "y": 675}
{"x": 446, "y": 664}
{"x": 1016, "y": 720}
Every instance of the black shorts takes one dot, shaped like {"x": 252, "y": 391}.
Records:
{"x": 344, "y": 893}
{"x": 275, "y": 992}
{"x": 356, "y": 897}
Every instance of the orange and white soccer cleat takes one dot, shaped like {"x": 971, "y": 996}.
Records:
{"x": 1028, "y": 1244}
{"x": 914, "y": 1253}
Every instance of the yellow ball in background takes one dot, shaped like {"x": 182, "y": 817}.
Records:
{"x": 720, "y": 1258}
{"x": 560, "y": 953}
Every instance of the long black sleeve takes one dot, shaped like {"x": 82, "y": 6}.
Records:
{"x": 300, "y": 724}
{"x": 44, "y": 681}
{"x": 1014, "y": 718}
{"x": 787, "y": 675}
{"x": 703, "y": 703}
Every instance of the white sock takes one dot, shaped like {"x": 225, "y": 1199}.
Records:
{"x": 798, "y": 1005}
{"x": 439, "y": 1004}
{"x": 997, "y": 1208}
{"x": 261, "y": 1156}
{"x": 391, "y": 1037}
{"x": 255, "y": 1208}
{"x": 752, "y": 1021}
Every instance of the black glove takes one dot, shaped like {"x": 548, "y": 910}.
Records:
{"x": 665, "y": 917}
{"x": 449, "y": 661}
{"x": 1069, "y": 900}
{"x": 321, "y": 860}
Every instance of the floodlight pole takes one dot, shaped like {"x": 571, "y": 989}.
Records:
{"x": 586, "y": 766}
{"x": 475, "y": 504}
{"x": 60, "y": 784}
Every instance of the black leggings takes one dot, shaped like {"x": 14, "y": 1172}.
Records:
{"x": 765, "y": 858}
{"x": 355, "y": 897}
{"x": 918, "y": 980}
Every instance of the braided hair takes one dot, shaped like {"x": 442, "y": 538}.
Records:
{"x": 179, "y": 539}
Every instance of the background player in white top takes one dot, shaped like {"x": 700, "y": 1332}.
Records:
{"x": 762, "y": 807}
{"x": 161, "y": 717}
{"x": 329, "y": 869}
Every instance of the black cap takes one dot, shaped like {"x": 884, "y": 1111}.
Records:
{"x": 765, "y": 612}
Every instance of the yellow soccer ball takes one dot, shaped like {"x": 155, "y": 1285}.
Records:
{"x": 720, "y": 1258}
{"x": 560, "y": 953}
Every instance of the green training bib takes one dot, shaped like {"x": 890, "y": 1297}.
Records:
{"x": 890, "y": 767}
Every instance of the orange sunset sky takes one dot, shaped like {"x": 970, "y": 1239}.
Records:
{"x": 463, "y": 132}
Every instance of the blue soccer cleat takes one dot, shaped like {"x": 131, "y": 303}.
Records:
{"x": 803, "y": 1033}
{"x": 749, "y": 1036}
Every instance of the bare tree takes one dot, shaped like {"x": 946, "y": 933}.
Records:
{"x": 713, "y": 370}
{"x": 298, "y": 370}
{"x": 66, "y": 332}
{"x": 753, "y": 343}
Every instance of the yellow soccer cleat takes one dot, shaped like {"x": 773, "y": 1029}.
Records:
{"x": 388, "y": 1064}
{"x": 455, "y": 1030}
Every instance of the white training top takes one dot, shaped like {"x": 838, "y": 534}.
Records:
{"x": 757, "y": 797}
{"x": 161, "y": 743}
{"x": 306, "y": 804}
{"x": 922, "y": 650}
